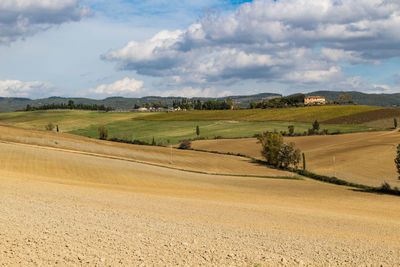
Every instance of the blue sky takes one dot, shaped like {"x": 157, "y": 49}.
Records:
{"x": 102, "y": 48}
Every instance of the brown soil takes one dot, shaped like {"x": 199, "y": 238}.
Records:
{"x": 369, "y": 116}
{"x": 66, "y": 208}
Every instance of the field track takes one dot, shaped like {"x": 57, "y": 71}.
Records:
{"x": 366, "y": 158}
{"x": 69, "y": 208}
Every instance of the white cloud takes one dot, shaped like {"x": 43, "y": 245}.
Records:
{"x": 284, "y": 41}
{"x": 195, "y": 92}
{"x": 124, "y": 87}
{"x": 15, "y": 88}
{"x": 23, "y": 18}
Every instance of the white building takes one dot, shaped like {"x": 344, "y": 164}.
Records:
{"x": 314, "y": 100}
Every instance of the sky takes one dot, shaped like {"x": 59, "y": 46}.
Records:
{"x": 191, "y": 48}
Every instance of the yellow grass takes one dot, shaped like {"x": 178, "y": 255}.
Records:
{"x": 366, "y": 158}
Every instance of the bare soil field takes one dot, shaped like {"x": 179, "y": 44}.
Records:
{"x": 365, "y": 158}
{"x": 368, "y": 116}
{"x": 181, "y": 159}
{"x": 60, "y": 207}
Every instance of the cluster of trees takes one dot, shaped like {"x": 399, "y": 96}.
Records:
{"x": 276, "y": 152}
{"x": 280, "y": 102}
{"x": 314, "y": 130}
{"x": 345, "y": 99}
{"x": 69, "y": 105}
{"x": 155, "y": 105}
{"x": 198, "y": 105}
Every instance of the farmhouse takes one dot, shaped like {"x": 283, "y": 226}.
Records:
{"x": 314, "y": 100}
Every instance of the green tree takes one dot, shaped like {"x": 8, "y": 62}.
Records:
{"x": 197, "y": 130}
{"x": 103, "y": 132}
{"x": 288, "y": 156}
{"x": 397, "y": 160}
{"x": 395, "y": 123}
{"x": 315, "y": 126}
{"x": 153, "y": 142}
{"x": 291, "y": 129}
{"x": 271, "y": 144}
{"x": 304, "y": 161}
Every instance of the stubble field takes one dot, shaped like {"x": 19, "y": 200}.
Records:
{"x": 365, "y": 158}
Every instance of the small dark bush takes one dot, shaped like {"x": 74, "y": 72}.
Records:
{"x": 185, "y": 144}
{"x": 103, "y": 132}
{"x": 49, "y": 127}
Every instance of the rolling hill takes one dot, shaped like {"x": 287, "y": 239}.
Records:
{"x": 8, "y": 104}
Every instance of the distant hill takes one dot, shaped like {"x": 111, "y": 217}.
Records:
{"x": 382, "y": 100}
{"x": 8, "y": 104}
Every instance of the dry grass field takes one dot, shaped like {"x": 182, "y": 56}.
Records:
{"x": 70, "y": 200}
{"x": 366, "y": 158}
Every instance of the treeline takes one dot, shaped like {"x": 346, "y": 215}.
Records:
{"x": 280, "y": 102}
{"x": 69, "y": 105}
{"x": 198, "y": 105}
{"x": 155, "y": 105}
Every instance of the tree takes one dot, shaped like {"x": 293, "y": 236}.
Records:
{"x": 397, "y": 160}
{"x": 276, "y": 152}
{"x": 103, "y": 132}
{"x": 304, "y": 161}
{"x": 315, "y": 126}
{"x": 229, "y": 102}
{"x": 395, "y": 123}
{"x": 49, "y": 126}
{"x": 271, "y": 144}
{"x": 197, "y": 130}
{"x": 291, "y": 129}
{"x": 153, "y": 143}
{"x": 288, "y": 156}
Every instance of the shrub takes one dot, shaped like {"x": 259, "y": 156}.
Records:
{"x": 49, "y": 127}
{"x": 315, "y": 126}
{"x": 185, "y": 144}
{"x": 291, "y": 129}
{"x": 385, "y": 187}
{"x": 103, "y": 132}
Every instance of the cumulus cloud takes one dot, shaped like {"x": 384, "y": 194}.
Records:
{"x": 22, "y": 18}
{"x": 124, "y": 87}
{"x": 272, "y": 41}
{"x": 15, "y": 88}
{"x": 195, "y": 92}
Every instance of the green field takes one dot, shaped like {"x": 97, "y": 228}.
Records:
{"x": 145, "y": 126}
{"x": 175, "y": 131}
{"x": 303, "y": 114}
